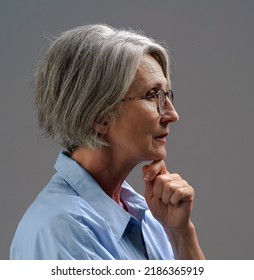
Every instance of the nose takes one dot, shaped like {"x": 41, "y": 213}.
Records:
{"x": 171, "y": 114}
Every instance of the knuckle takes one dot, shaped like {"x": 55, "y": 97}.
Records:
{"x": 185, "y": 183}
{"x": 161, "y": 179}
{"x": 168, "y": 187}
{"x": 176, "y": 176}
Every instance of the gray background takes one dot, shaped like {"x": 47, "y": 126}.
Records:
{"x": 212, "y": 45}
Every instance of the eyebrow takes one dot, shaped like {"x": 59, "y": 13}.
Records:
{"x": 158, "y": 85}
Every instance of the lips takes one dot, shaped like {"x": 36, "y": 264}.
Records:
{"x": 161, "y": 136}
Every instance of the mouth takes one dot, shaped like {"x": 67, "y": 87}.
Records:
{"x": 161, "y": 137}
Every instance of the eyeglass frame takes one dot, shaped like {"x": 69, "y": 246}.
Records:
{"x": 156, "y": 95}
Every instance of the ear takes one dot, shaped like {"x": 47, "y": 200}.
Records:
{"x": 102, "y": 125}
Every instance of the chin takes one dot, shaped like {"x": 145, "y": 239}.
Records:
{"x": 159, "y": 156}
{"x": 153, "y": 155}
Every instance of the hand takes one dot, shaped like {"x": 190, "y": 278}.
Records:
{"x": 169, "y": 197}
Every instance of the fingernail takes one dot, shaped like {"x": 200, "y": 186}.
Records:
{"x": 147, "y": 177}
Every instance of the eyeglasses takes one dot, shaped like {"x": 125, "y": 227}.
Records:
{"x": 160, "y": 97}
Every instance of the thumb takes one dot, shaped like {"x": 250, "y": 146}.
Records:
{"x": 154, "y": 169}
{"x": 148, "y": 182}
{"x": 145, "y": 172}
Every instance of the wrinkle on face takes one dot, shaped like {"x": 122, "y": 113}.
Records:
{"x": 149, "y": 75}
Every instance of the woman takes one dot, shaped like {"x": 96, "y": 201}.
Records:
{"x": 105, "y": 95}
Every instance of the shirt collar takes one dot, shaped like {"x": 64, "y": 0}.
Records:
{"x": 134, "y": 202}
{"x": 88, "y": 189}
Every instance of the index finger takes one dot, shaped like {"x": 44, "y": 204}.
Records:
{"x": 154, "y": 169}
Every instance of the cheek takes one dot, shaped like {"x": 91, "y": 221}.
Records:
{"x": 150, "y": 107}
{"x": 143, "y": 128}
{"x": 137, "y": 122}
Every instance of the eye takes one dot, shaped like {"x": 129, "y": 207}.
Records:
{"x": 151, "y": 94}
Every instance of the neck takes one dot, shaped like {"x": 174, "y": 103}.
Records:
{"x": 105, "y": 167}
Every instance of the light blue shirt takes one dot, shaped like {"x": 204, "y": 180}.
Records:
{"x": 73, "y": 218}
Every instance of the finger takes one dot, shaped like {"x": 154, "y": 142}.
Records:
{"x": 154, "y": 188}
{"x": 176, "y": 176}
{"x": 154, "y": 169}
{"x": 167, "y": 193}
{"x": 161, "y": 184}
{"x": 182, "y": 194}
{"x": 166, "y": 184}
{"x": 168, "y": 188}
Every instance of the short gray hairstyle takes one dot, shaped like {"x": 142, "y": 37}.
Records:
{"x": 83, "y": 77}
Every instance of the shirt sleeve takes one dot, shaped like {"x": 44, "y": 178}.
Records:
{"x": 62, "y": 238}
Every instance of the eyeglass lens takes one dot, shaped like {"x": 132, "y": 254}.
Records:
{"x": 162, "y": 101}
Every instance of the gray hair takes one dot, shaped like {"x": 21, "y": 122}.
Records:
{"x": 83, "y": 77}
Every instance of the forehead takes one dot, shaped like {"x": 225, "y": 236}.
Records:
{"x": 149, "y": 74}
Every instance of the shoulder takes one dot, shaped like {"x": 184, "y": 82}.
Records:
{"x": 57, "y": 221}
